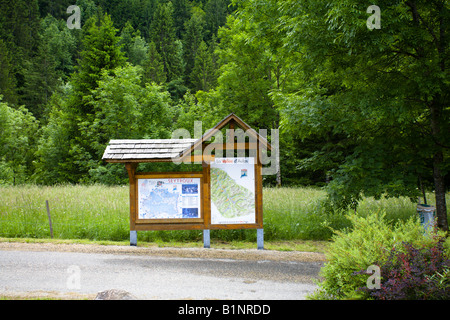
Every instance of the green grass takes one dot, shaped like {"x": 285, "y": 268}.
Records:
{"x": 77, "y": 212}
{"x": 101, "y": 213}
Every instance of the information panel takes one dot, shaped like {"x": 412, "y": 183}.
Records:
{"x": 233, "y": 191}
{"x": 175, "y": 198}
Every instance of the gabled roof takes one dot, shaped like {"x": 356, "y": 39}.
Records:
{"x": 231, "y": 118}
{"x": 167, "y": 150}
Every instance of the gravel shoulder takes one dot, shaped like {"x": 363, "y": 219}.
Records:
{"x": 211, "y": 253}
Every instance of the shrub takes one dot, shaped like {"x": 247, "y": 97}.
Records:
{"x": 414, "y": 273}
{"x": 356, "y": 248}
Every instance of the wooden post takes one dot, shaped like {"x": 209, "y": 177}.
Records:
{"x": 258, "y": 191}
{"x": 259, "y": 201}
{"x": 49, "y": 218}
{"x": 131, "y": 169}
{"x": 206, "y": 195}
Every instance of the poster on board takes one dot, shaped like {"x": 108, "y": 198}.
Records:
{"x": 175, "y": 198}
{"x": 233, "y": 191}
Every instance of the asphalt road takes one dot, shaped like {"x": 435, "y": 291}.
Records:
{"x": 81, "y": 274}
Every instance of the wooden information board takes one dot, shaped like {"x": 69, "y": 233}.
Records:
{"x": 226, "y": 194}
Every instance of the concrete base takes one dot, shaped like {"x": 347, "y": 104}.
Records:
{"x": 260, "y": 238}
{"x": 206, "y": 239}
{"x": 133, "y": 238}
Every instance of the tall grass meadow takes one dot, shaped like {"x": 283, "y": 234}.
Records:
{"x": 99, "y": 212}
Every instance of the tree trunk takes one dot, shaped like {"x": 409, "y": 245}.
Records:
{"x": 276, "y": 143}
{"x": 439, "y": 189}
{"x": 438, "y": 160}
{"x": 436, "y": 114}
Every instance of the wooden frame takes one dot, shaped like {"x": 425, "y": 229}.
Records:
{"x": 204, "y": 220}
{"x": 258, "y": 205}
{"x": 170, "y": 223}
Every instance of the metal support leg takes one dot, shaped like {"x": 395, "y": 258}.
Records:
{"x": 206, "y": 238}
{"x": 260, "y": 238}
{"x": 133, "y": 238}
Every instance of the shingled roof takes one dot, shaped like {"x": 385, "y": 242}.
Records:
{"x": 146, "y": 149}
{"x": 167, "y": 150}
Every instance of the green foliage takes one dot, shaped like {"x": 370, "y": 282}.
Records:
{"x": 215, "y": 16}
{"x": 369, "y": 240}
{"x": 53, "y": 156}
{"x": 245, "y": 77}
{"x": 66, "y": 153}
{"x": 375, "y": 97}
{"x": 124, "y": 110}
{"x": 62, "y": 44}
{"x": 164, "y": 37}
{"x": 19, "y": 27}
{"x": 101, "y": 52}
{"x": 7, "y": 78}
{"x": 181, "y": 14}
{"x": 153, "y": 66}
{"x": 203, "y": 75}
{"x": 133, "y": 45}
{"x": 18, "y": 129}
{"x": 191, "y": 42}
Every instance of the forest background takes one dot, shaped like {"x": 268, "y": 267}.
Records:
{"x": 361, "y": 111}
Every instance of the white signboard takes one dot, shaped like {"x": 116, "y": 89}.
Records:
{"x": 233, "y": 191}
{"x": 176, "y": 198}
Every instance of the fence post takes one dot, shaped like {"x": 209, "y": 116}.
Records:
{"x": 49, "y": 218}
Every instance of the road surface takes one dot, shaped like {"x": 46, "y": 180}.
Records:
{"x": 31, "y": 270}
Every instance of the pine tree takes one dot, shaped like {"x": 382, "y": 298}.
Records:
{"x": 41, "y": 79}
{"x": 7, "y": 79}
{"x": 126, "y": 38}
{"x": 70, "y": 118}
{"x": 133, "y": 45}
{"x": 192, "y": 40}
{"x": 62, "y": 44}
{"x": 163, "y": 35}
{"x": 102, "y": 52}
{"x": 216, "y": 16}
{"x": 19, "y": 25}
{"x": 203, "y": 75}
{"x": 153, "y": 66}
{"x": 181, "y": 14}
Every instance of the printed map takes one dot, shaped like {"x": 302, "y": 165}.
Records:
{"x": 231, "y": 199}
{"x": 232, "y": 192}
{"x": 168, "y": 198}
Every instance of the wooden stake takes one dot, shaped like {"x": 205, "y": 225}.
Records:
{"x": 49, "y": 218}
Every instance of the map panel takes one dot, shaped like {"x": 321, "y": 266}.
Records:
{"x": 174, "y": 198}
{"x": 233, "y": 191}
